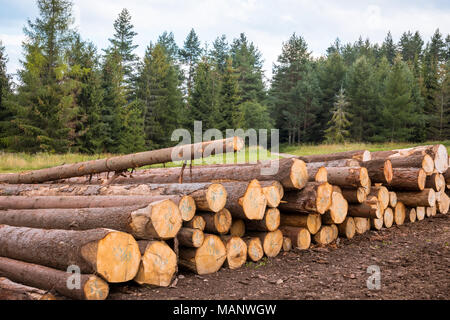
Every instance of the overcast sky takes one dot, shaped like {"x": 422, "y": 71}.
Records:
{"x": 267, "y": 23}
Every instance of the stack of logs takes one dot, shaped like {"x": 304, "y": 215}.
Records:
{"x": 143, "y": 225}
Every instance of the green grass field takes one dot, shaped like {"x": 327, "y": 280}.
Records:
{"x": 17, "y": 162}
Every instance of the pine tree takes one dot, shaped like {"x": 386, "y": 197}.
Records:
{"x": 5, "y": 94}
{"x": 167, "y": 40}
{"x": 229, "y": 116}
{"x": 190, "y": 55}
{"x": 220, "y": 53}
{"x": 132, "y": 135}
{"x": 389, "y": 48}
{"x": 338, "y": 125}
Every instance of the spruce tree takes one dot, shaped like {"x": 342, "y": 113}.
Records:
{"x": 220, "y": 53}
{"x": 229, "y": 115}
{"x": 190, "y": 55}
{"x": 389, "y": 48}
{"x": 337, "y": 131}
{"x": 5, "y": 94}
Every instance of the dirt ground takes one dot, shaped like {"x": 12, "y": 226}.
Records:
{"x": 414, "y": 260}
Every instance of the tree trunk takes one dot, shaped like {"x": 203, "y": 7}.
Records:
{"x": 436, "y": 181}
{"x": 347, "y": 228}
{"x": 412, "y": 179}
{"x": 255, "y": 249}
{"x": 217, "y": 222}
{"x": 354, "y": 195}
{"x": 421, "y": 161}
{"x": 349, "y": 177}
{"x": 311, "y": 221}
{"x": 195, "y": 223}
{"x": 317, "y": 173}
{"x": 160, "y": 219}
{"x": 368, "y": 209}
{"x": 246, "y": 200}
{"x": 10, "y": 290}
{"x": 120, "y": 163}
{"x": 113, "y": 255}
{"x": 338, "y": 210}
{"x": 324, "y": 236}
{"x": 237, "y": 228}
{"x": 379, "y": 170}
{"x": 424, "y": 198}
{"x": 315, "y": 197}
{"x": 399, "y": 213}
{"x": 360, "y": 155}
{"x": 236, "y": 251}
{"x": 191, "y": 237}
{"x": 271, "y": 241}
{"x": 300, "y": 237}
{"x": 270, "y": 222}
{"x": 206, "y": 259}
{"x": 158, "y": 264}
{"x": 388, "y": 217}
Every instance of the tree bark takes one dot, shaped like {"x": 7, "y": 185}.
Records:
{"x": 120, "y": 163}
{"x": 160, "y": 219}
{"x": 271, "y": 241}
{"x": 424, "y": 198}
{"x": 436, "y": 181}
{"x": 10, "y": 290}
{"x": 317, "y": 173}
{"x": 270, "y": 221}
{"x": 368, "y": 209}
{"x": 315, "y": 197}
{"x": 236, "y": 251}
{"x": 191, "y": 237}
{"x": 421, "y": 161}
{"x": 113, "y": 255}
{"x": 300, "y": 237}
{"x": 360, "y": 155}
{"x": 349, "y": 177}
{"x": 412, "y": 179}
{"x": 217, "y": 222}
{"x": 379, "y": 170}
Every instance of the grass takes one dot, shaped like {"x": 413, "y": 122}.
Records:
{"x": 18, "y": 162}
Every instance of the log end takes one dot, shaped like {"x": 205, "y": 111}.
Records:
{"x": 210, "y": 256}
{"x": 324, "y": 197}
{"x": 187, "y": 208}
{"x": 166, "y": 218}
{"x": 222, "y": 221}
{"x": 364, "y": 179}
{"x": 287, "y": 244}
{"x": 255, "y": 249}
{"x": 236, "y": 252}
{"x": 321, "y": 175}
{"x": 428, "y": 164}
{"x": 361, "y": 224}
{"x": 313, "y": 223}
{"x": 95, "y": 288}
{"x": 361, "y": 194}
{"x": 254, "y": 202}
{"x": 298, "y": 174}
{"x": 197, "y": 223}
{"x": 421, "y": 179}
{"x": 432, "y": 198}
{"x": 441, "y": 159}
{"x": 347, "y": 228}
{"x": 303, "y": 239}
{"x": 237, "y": 228}
{"x": 388, "y": 217}
{"x": 324, "y": 236}
{"x": 376, "y": 224}
{"x": 399, "y": 213}
{"x": 216, "y": 196}
{"x": 272, "y": 195}
{"x": 339, "y": 208}
{"x": 272, "y": 219}
{"x": 273, "y": 241}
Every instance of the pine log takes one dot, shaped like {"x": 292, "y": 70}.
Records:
{"x": 349, "y": 177}
{"x": 436, "y": 181}
{"x": 316, "y": 173}
{"x": 337, "y": 189}
{"x": 379, "y": 170}
{"x": 338, "y": 210}
{"x": 420, "y": 213}
{"x": 354, "y": 195}
{"x": 158, "y": 220}
{"x": 120, "y": 163}
{"x": 324, "y": 236}
{"x": 430, "y": 211}
{"x": 270, "y": 221}
{"x": 287, "y": 244}
{"x": 246, "y": 200}
{"x": 158, "y": 264}
{"x": 237, "y": 228}
{"x": 236, "y": 251}
{"x": 376, "y": 224}
{"x": 300, "y": 237}
{"x": 333, "y": 163}
{"x": 347, "y": 228}
{"x": 315, "y": 197}
{"x": 399, "y": 213}
{"x": 312, "y": 222}
{"x": 362, "y": 225}
{"x": 276, "y": 184}
{"x": 291, "y": 173}
{"x": 382, "y": 195}
{"x": 273, "y": 192}
{"x": 423, "y": 161}
{"x": 368, "y": 209}
{"x": 424, "y": 198}
{"x": 111, "y": 254}
{"x": 255, "y": 249}
{"x": 271, "y": 241}
{"x": 335, "y": 231}
{"x": 392, "y": 199}
{"x": 388, "y": 217}
{"x": 444, "y": 203}
{"x": 217, "y": 222}
{"x": 409, "y": 179}
{"x": 189, "y": 237}
{"x": 10, "y": 290}
{"x": 411, "y": 215}
{"x": 204, "y": 260}
{"x": 195, "y": 223}
{"x": 360, "y": 155}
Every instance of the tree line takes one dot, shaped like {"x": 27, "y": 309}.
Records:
{"x": 72, "y": 97}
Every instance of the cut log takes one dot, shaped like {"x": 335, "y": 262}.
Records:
{"x": 272, "y": 194}
{"x": 189, "y": 237}
{"x": 333, "y": 164}
{"x": 121, "y": 163}
{"x": 424, "y": 198}
{"x": 311, "y": 221}
{"x": 10, "y": 290}
{"x": 420, "y": 213}
{"x": 388, "y": 217}
{"x": 324, "y": 236}
{"x": 246, "y": 200}
{"x": 237, "y": 228}
{"x": 271, "y": 241}
{"x": 338, "y": 210}
{"x": 349, "y": 177}
{"x": 392, "y": 199}
{"x": 368, "y": 209}
{"x": 360, "y": 155}
{"x": 196, "y": 223}
{"x": 444, "y": 203}
{"x": 423, "y": 161}
{"x": 160, "y": 219}
{"x": 255, "y": 249}
{"x": 158, "y": 264}
{"x": 361, "y": 224}
{"x": 411, "y": 215}
{"x": 430, "y": 211}
{"x": 111, "y": 254}
{"x": 347, "y": 228}
{"x": 287, "y": 244}
{"x": 337, "y": 189}
{"x": 376, "y": 224}
{"x": 236, "y": 251}
{"x": 315, "y": 197}
{"x": 335, "y": 231}
{"x": 435, "y": 181}
{"x": 206, "y": 259}
{"x": 412, "y": 179}
{"x": 291, "y": 173}
{"x": 217, "y": 222}
{"x": 317, "y": 174}
{"x": 379, "y": 170}
{"x": 270, "y": 222}
{"x": 354, "y": 195}
{"x": 300, "y": 237}
{"x": 382, "y": 195}
{"x": 276, "y": 184}
{"x": 399, "y": 213}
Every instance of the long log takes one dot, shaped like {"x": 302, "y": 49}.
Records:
{"x": 270, "y": 221}
{"x": 360, "y": 155}
{"x": 271, "y": 241}
{"x": 311, "y": 221}
{"x": 111, "y": 254}
{"x": 412, "y": 179}
{"x": 189, "y": 237}
{"x": 10, "y": 290}
{"x": 379, "y": 170}
{"x": 236, "y": 251}
{"x": 333, "y": 164}
{"x": 358, "y": 195}
{"x": 315, "y": 197}
{"x": 399, "y": 213}
{"x": 424, "y": 198}
{"x": 347, "y": 228}
{"x": 423, "y": 161}
{"x": 338, "y": 210}
{"x": 217, "y": 222}
{"x": 349, "y": 177}
{"x": 160, "y": 219}
{"x": 300, "y": 237}
{"x": 120, "y": 163}
{"x": 368, "y": 209}
{"x": 317, "y": 173}
{"x": 436, "y": 181}
{"x": 388, "y": 217}
{"x": 158, "y": 264}
{"x": 255, "y": 249}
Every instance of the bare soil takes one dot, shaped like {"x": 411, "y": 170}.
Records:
{"x": 414, "y": 260}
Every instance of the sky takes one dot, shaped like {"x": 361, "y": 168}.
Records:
{"x": 267, "y": 23}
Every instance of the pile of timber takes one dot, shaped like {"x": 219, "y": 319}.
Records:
{"x": 144, "y": 225}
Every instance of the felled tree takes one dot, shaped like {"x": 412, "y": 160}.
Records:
{"x": 337, "y": 132}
